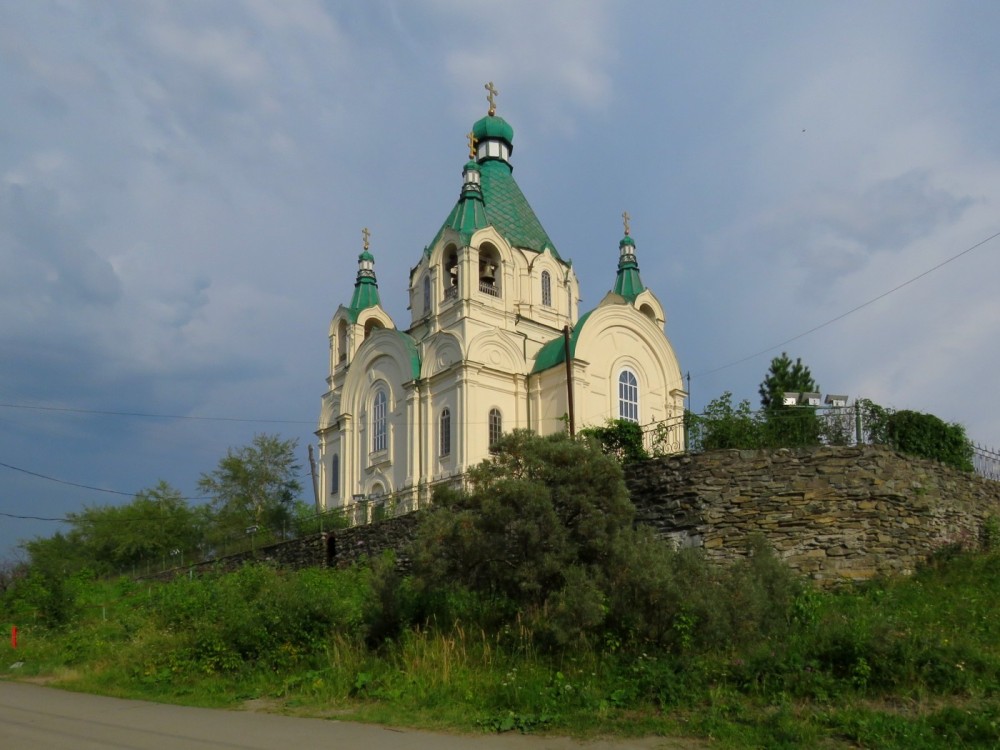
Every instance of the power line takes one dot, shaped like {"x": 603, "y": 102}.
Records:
{"x": 851, "y": 311}
{"x": 33, "y": 518}
{"x": 155, "y": 416}
{"x": 81, "y": 486}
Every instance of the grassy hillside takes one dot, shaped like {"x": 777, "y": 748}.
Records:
{"x": 911, "y": 663}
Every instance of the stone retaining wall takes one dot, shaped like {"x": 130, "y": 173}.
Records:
{"x": 833, "y": 513}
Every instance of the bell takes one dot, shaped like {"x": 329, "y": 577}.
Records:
{"x": 486, "y": 274}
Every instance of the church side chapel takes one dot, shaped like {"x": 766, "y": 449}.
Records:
{"x": 494, "y": 314}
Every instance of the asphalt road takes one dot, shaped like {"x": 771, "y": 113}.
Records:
{"x": 33, "y": 717}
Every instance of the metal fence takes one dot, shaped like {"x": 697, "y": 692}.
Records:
{"x": 986, "y": 462}
{"x": 824, "y": 425}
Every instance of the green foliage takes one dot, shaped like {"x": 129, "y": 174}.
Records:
{"x": 745, "y": 653}
{"x": 254, "y": 485}
{"x": 724, "y": 426}
{"x": 619, "y": 438}
{"x": 917, "y": 434}
{"x": 929, "y": 437}
{"x": 546, "y": 533}
{"x": 156, "y": 522}
{"x": 785, "y": 376}
{"x": 540, "y": 507}
{"x": 255, "y": 617}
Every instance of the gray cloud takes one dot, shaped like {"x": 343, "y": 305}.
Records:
{"x": 48, "y": 260}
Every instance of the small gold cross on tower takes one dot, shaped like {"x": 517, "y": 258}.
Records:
{"x": 366, "y": 234}
{"x": 491, "y": 98}
{"x": 472, "y": 145}
{"x": 625, "y": 218}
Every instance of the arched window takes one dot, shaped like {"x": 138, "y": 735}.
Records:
{"x": 444, "y": 438}
{"x": 490, "y": 270}
{"x": 378, "y": 421}
{"x": 342, "y": 341}
{"x": 628, "y": 396}
{"x": 427, "y": 294}
{"x": 450, "y": 279}
{"x": 372, "y": 324}
{"x": 496, "y": 427}
{"x": 546, "y": 289}
{"x": 335, "y": 474}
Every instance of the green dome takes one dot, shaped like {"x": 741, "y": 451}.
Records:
{"x": 366, "y": 256}
{"x": 626, "y": 240}
{"x": 492, "y": 126}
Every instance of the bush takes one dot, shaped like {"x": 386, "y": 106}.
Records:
{"x": 619, "y": 438}
{"x": 929, "y": 437}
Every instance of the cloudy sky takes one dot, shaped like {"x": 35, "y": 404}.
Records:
{"x": 183, "y": 186}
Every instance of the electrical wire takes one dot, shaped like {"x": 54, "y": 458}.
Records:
{"x": 82, "y": 486}
{"x": 154, "y": 416}
{"x": 849, "y": 312}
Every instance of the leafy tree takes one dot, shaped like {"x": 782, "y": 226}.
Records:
{"x": 254, "y": 485}
{"x": 785, "y": 376}
{"x": 620, "y": 438}
{"x": 930, "y": 437}
{"x": 56, "y": 568}
{"x": 725, "y": 426}
{"x": 917, "y": 434}
{"x": 788, "y": 426}
{"x": 156, "y": 522}
{"x": 540, "y": 508}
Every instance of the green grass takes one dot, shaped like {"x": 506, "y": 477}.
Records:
{"x": 908, "y": 663}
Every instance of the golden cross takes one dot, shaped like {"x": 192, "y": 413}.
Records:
{"x": 472, "y": 145}
{"x": 491, "y": 98}
{"x": 625, "y": 218}
{"x": 366, "y": 234}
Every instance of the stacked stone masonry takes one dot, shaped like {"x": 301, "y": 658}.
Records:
{"x": 832, "y": 513}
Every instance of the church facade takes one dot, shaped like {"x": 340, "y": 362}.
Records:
{"x": 494, "y": 315}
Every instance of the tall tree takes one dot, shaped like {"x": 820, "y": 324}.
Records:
{"x": 540, "y": 507}
{"x": 788, "y": 426}
{"x": 785, "y": 376}
{"x": 254, "y": 485}
{"x": 155, "y": 523}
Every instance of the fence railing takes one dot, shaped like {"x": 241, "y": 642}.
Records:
{"x": 823, "y": 425}
{"x": 986, "y": 462}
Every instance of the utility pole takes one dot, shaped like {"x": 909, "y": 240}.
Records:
{"x": 312, "y": 471}
{"x": 569, "y": 381}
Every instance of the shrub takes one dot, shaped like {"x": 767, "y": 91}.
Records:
{"x": 619, "y": 438}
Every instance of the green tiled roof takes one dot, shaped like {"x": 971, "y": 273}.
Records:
{"x": 468, "y": 215}
{"x": 508, "y": 211}
{"x": 554, "y": 352}
{"x": 628, "y": 284}
{"x": 503, "y": 206}
{"x": 365, "y": 289}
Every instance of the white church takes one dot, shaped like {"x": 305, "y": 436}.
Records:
{"x": 494, "y": 317}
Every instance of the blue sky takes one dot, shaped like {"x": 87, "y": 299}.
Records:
{"x": 183, "y": 186}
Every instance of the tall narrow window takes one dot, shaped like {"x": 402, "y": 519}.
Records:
{"x": 445, "y": 430}
{"x": 628, "y": 396}
{"x": 546, "y": 289}
{"x": 335, "y": 474}
{"x": 427, "y": 293}
{"x": 378, "y": 421}
{"x": 496, "y": 427}
{"x": 342, "y": 341}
